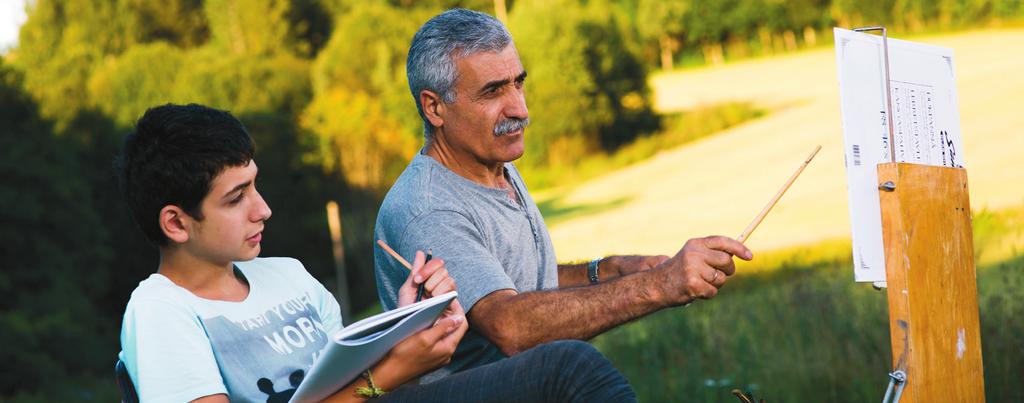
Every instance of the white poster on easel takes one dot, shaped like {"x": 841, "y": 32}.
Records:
{"x": 926, "y": 126}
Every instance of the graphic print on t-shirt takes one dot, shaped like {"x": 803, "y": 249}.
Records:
{"x": 267, "y": 386}
{"x": 286, "y": 339}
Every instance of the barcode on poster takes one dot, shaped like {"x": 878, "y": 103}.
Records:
{"x": 856, "y": 155}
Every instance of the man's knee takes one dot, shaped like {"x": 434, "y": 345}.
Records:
{"x": 572, "y": 350}
{"x": 567, "y": 358}
{"x": 576, "y": 371}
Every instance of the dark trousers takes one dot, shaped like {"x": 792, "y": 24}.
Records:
{"x": 562, "y": 371}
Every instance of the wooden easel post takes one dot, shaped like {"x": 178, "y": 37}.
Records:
{"x": 931, "y": 281}
{"x": 338, "y": 250}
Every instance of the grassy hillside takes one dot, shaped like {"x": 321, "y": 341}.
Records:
{"x": 795, "y": 327}
{"x": 717, "y": 184}
{"x": 679, "y": 128}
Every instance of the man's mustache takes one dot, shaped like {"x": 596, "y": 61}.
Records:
{"x": 510, "y": 125}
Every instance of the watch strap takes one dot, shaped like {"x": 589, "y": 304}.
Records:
{"x": 592, "y": 270}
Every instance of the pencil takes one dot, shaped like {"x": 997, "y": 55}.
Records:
{"x": 760, "y": 217}
{"x": 394, "y": 254}
{"x": 421, "y": 290}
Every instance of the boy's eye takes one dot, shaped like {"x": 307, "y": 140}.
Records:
{"x": 237, "y": 198}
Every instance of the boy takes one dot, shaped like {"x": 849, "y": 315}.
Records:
{"x": 215, "y": 322}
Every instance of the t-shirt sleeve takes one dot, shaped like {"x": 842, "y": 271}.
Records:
{"x": 167, "y": 353}
{"x": 454, "y": 238}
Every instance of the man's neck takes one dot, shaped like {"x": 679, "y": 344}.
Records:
{"x": 205, "y": 279}
{"x": 487, "y": 173}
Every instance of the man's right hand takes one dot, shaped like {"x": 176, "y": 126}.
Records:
{"x": 700, "y": 268}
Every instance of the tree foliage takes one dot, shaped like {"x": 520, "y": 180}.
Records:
{"x": 254, "y": 27}
{"x": 362, "y": 116}
{"x": 63, "y": 42}
{"x": 694, "y": 26}
{"x": 321, "y": 86}
{"x": 586, "y": 87}
{"x": 144, "y": 76}
{"x": 53, "y": 245}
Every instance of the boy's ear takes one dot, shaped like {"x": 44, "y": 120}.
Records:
{"x": 174, "y": 223}
{"x": 433, "y": 107}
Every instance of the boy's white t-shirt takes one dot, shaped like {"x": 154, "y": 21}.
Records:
{"x": 178, "y": 347}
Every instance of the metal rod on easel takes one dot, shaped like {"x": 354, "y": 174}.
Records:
{"x": 888, "y": 90}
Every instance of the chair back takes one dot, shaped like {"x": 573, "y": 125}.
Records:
{"x": 124, "y": 383}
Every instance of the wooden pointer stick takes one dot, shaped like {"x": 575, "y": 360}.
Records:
{"x": 760, "y": 217}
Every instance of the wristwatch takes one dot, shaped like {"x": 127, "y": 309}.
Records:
{"x": 592, "y": 269}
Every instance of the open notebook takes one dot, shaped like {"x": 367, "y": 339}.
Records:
{"x": 360, "y": 345}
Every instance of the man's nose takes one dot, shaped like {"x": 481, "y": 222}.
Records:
{"x": 515, "y": 105}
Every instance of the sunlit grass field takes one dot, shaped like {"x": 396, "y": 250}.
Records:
{"x": 680, "y": 128}
{"x": 798, "y": 329}
{"x": 717, "y": 184}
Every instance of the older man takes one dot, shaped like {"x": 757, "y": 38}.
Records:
{"x": 462, "y": 197}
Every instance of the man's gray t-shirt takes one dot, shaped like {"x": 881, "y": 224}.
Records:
{"x": 488, "y": 241}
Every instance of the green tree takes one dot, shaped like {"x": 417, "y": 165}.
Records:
{"x": 662, "y": 21}
{"x": 55, "y": 257}
{"x": 248, "y": 27}
{"x": 241, "y": 83}
{"x": 1008, "y": 9}
{"x": 178, "y": 22}
{"x": 586, "y": 87}
{"x": 708, "y": 23}
{"x": 262, "y": 27}
{"x": 142, "y": 77}
{"x": 63, "y": 42}
{"x": 855, "y": 13}
{"x": 357, "y": 139}
{"x": 364, "y": 120}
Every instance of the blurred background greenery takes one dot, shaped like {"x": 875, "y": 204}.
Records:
{"x": 321, "y": 86}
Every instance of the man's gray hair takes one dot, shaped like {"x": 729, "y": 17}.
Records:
{"x": 452, "y": 34}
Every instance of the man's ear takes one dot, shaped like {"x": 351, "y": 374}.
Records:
{"x": 174, "y": 222}
{"x": 433, "y": 107}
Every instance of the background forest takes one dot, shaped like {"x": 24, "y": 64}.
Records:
{"x": 321, "y": 86}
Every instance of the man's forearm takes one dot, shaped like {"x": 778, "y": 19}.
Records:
{"x": 572, "y": 275}
{"x": 522, "y": 321}
{"x": 516, "y": 322}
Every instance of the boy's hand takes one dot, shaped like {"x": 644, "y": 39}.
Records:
{"x": 428, "y": 349}
{"x": 436, "y": 281}
{"x": 433, "y": 275}
{"x": 432, "y": 347}
{"x": 414, "y": 356}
